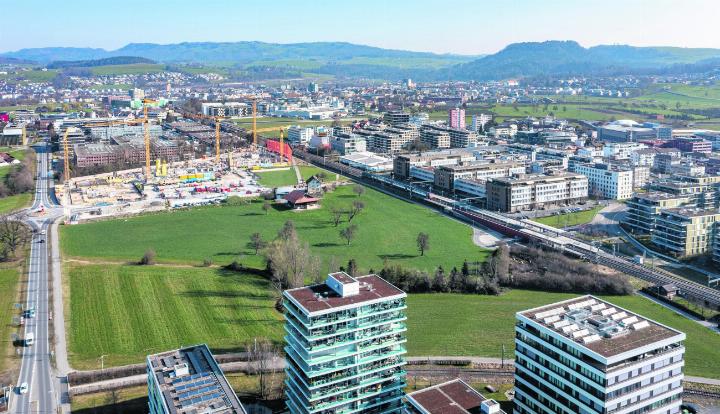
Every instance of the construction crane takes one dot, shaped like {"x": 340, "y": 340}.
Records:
{"x": 281, "y": 145}
{"x": 66, "y": 156}
{"x": 145, "y": 103}
{"x": 218, "y": 118}
{"x": 254, "y": 114}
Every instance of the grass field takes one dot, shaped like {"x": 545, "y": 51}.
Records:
{"x": 128, "y": 311}
{"x": 129, "y": 69}
{"x": 453, "y": 324}
{"x": 9, "y": 279}
{"x": 15, "y": 202}
{"x": 280, "y": 178}
{"x": 387, "y": 229}
{"x": 570, "y": 219}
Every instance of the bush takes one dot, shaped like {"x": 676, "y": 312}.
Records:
{"x": 207, "y": 262}
{"x": 148, "y": 258}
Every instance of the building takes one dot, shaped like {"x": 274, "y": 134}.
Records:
{"x": 447, "y": 175}
{"x": 345, "y": 346}
{"x": 90, "y": 155}
{"x": 434, "y": 138}
{"x": 432, "y": 159}
{"x": 606, "y": 180}
{"x": 702, "y": 191}
{"x": 300, "y": 135}
{"x": 313, "y": 87}
{"x": 529, "y": 192}
{"x": 367, "y": 161}
{"x": 644, "y": 209}
{"x": 479, "y": 122}
{"x": 396, "y": 117}
{"x": 685, "y": 231}
{"x": 692, "y": 144}
{"x": 586, "y": 355}
{"x": 458, "y": 138}
{"x": 226, "y": 109}
{"x": 622, "y": 150}
{"x": 189, "y": 380}
{"x": 451, "y": 397}
{"x": 300, "y": 200}
{"x": 347, "y": 144}
{"x": 456, "y": 118}
{"x": 626, "y": 130}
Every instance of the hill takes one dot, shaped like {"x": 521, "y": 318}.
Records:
{"x": 569, "y": 58}
{"x": 119, "y": 60}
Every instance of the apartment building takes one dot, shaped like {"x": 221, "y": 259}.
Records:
{"x": 435, "y": 139}
{"x": 685, "y": 231}
{"x": 345, "y": 346}
{"x": 446, "y": 175}
{"x": 347, "y": 143}
{"x": 459, "y": 138}
{"x": 88, "y": 155}
{"x": 226, "y": 109}
{"x": 396, "y": 118}
{"x": 702, "y": 191}
{"x": 644, "y": 209}
{"x": 456, "y": 118}
{"x": 606, "y": 180}
{"x": 586, "y": 355}
{"x": 189, "y": 380}
{"x": 528, "y": 192}
{"x": 297, "y": 134}
{"x": 621, "y": 150}
{"x": 391, "y": 139}
{"x": 431, "y": 159}
{"x": 451, "y": 397}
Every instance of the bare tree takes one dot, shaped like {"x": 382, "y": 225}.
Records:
{"x": 287, "y": 231}
{"x": 423, "y": 242}
{"x": 13, "y": 234}
{"x": 257, "y": 242}
{"x": 349, "y": 233}
{"x": 264, "y": 361}
{"x": 266, "y": 207}
{"x": 148, "y": 258}
{"x": 289, "y": 259}
{"x": 359, "y": 190}
{"x": 355, "y": 209}
{"x": 336, "y": 215}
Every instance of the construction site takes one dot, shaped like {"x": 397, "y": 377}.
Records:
{"x": 157, "y": 175}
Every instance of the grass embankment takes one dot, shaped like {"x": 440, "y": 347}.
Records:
{"x": 279, "y": 178}
{"x": 470, "y": 325}
{"x": 570, "y": 219}
{"x": 387, "y": 230}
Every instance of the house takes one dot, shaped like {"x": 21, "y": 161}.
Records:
{"x": 300, "y": 200}
{"x": 7, "y": 159}
{"x": 314, "y": 186}
{"x": 669, "y": 290}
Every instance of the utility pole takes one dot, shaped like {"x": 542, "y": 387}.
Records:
{"x": 102, "y": 362}
{"x": 502, "y": 356}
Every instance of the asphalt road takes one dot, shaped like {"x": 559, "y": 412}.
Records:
{"x": 36, "y": 365}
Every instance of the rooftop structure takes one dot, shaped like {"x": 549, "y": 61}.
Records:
{"x": 189, "y": 381}
{"x": 451, "y": 397}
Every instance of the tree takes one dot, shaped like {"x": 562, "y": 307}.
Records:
{"x": 287, "y": 231}
{"x": 257, "y": 242}
{"x": 439, "y": 282}
{"x": 423, "y": 242}
{"x": 352, "y": 268}
{"x": 266, "y": 207}
{"x": 13, "y": 234}
{"x": 336, "y": 215}
{"x": 355, "y": 209}
{"x": 148, "y": 258}
{"x": 348, "y": 233}
{"x": 264, "y": 362}
{"x": 288, "y": 259}
{"x": 359, "y": 190}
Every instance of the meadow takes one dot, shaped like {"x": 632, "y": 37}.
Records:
{"x": 570, "y": 219}
{"x": 278, "y": 178}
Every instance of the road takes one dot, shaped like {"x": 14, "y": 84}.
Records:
{"x": 36, "y": 365}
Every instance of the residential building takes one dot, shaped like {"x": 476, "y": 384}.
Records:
{"x": 528, "y": 192}
{"x": 297, "y": 134}
{"x": 702, "y": 192}
{"x": 587, "y": 355}
{"x": 226, "y": 109}
{"x": 644, "y": 209}
{"x": 479, "y": 122}
{"x": 458, "y": 138}
{"x": 347, "y": 143}
{"x": 432, "y": 159}
{"x": 685, "y": 231}
{"x": 451, "y": 397}
{"x": 396, "y": 117}
{"x": 434, "y": 138}
{"x": 313, "y": 87}
{"x": 606, "y": 180}
{"x": 622, "y": 150}
{"x": 446, "y": 175}
{"x": 456, "y": 118}
{"x": 345, "y": 346}
{"x": 88, "y": 155}
{"x": 189, "y": 380}
{"x": 665, "y": 159}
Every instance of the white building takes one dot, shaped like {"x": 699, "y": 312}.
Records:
{"x": 621, "y": 150}
{"x": 300, "y": 135}
{"x": 586, "y": 355}
{"x": 607, "y": 181}
{"x": 346, "y": 144}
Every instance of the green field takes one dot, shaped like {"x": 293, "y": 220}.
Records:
{"x": 471, "y": 325}
{"x": 280, "y": 178}
{"x": 387, "y": 229}
{"x": 9, "y": 277}
{"x": 129, "y": 69}
{"x": 16, "y": 202}
{"x": 570, "y": 219}
{"x": 130, "y": 311}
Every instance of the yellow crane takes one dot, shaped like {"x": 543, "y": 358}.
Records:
{"x": 218, "y": 119}
{"x": 66, "y": 156}
{"x": 146, "y": 102}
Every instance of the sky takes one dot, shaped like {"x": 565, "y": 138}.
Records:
{"x": 467, "y": 27}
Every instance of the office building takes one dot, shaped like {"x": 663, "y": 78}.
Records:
{"x": 446, "y": 175}
{"x": 90, "y": 155}
{"x": 606, "y": 180}
{"x": 189, "y": 380}
{"x": 347, "y": 143}
{"x": 644, "y": 209}
{"x": 396, "y": 117}
{"x": 300, "y": 135}
{"x": 345, "y": 346}
{"x": 685, "y": 232}
{"x": 586, "y": 355}
{"x": 691, "y": 144}
{"x": 431, "y": 159}
{"x": 626, "y": 130}
{"x": 529, "y": 192}
{"x": 456, "y": 118}
{"x": 451, "y": 397}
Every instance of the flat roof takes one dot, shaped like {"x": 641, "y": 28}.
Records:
{"x": 600, "y": 326}
{"x": 319, "y": 298}
{"x": 692, "y": 212}
{"x": 452, "y": 397}
{"x": 190, "y": 382}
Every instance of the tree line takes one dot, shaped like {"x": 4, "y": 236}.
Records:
{"x": 21, "y": 178}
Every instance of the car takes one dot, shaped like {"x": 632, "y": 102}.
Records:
{"x": 41, "y": 241}
{"x": 23, "y": 389}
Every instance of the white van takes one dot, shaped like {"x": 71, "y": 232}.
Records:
{"x": 29, "y": 339}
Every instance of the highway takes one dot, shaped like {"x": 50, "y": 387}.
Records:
{"x": 36, "y": 365}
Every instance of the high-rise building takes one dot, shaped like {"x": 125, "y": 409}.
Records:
{"x": 345, "y": 346}
{"x": 313, "y": 87}
{"x": 586, "y": 355}
{"x": 479, "y": 122}
{"x": 456, "y": 118}
{"x": 189, "y": 380}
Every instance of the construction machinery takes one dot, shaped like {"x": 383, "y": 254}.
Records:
{"x": 146, "y": 102}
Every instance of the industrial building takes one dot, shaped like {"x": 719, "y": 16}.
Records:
{"x": 451, "y": 397}
{"x": 626, "y": 130}
{"x": 189, "y": 380}
{"x": 345, "y": 346}
{"x": 685, "y": 231}
{"x": 528, "y": 192}
{"x": 586, "y": 355}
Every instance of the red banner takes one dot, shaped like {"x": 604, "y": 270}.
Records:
{"x": 274, "y": 146}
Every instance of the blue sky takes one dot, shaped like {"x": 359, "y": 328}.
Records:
{"x": 442, "y": 26}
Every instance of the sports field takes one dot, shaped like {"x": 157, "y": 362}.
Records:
{"x": 387, "y": 230}
{"x": 472, "y": 325}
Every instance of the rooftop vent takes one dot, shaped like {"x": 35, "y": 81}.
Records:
{"x": 181, "y": 369}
